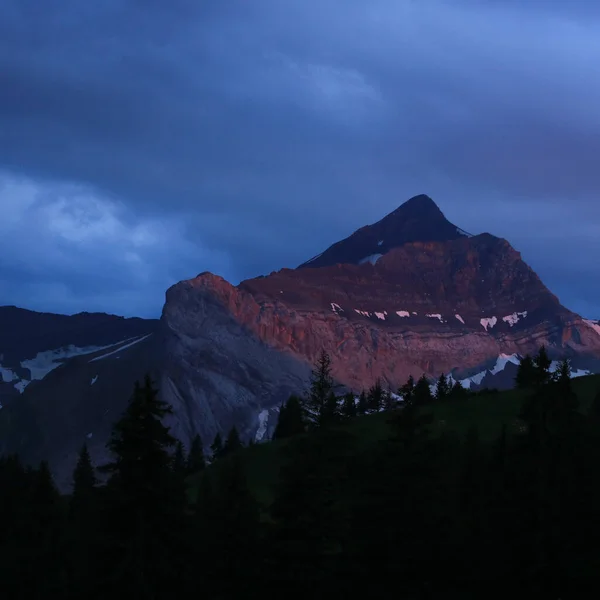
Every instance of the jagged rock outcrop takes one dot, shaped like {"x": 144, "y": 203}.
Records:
{"x": 216, "y": 372}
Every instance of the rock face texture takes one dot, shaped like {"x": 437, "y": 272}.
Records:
{"x": 215, "y": 371}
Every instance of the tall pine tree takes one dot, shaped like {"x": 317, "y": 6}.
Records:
{"x": 83, "y": 526}
{"x": 291, "y": 419}
{"x": 525, "y": 377}
{"x": 233, "y": 442}
{"x": 407, "y": 391}
{"x": 443, "y": 388}
{"x": 145, "y": 523}
{"x": 195, "y": 460}
{"x": 349, "y": 405}
{"x": 321, "y": 387}
{"x": 216, "y": 447}
{"x": 422, "y": 393}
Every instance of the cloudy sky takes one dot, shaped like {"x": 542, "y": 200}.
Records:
{"x": 143, "y": 141}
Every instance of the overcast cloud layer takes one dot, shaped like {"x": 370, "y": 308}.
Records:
{"x": 142, "y": 142}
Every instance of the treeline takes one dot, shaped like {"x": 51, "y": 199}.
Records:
{"x": 322, "y": 407}
{"x": 413, "y": 516}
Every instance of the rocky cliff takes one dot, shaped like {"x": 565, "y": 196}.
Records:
{"x": 410, "y": 294}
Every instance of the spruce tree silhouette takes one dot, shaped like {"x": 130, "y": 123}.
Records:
{"x": 144, "y": 544}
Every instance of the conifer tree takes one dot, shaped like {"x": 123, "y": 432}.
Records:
{"x": 216, "y": 447}
{"x": 349, "y": 406}
{"x": 563, "y": 400}
{"x": 542, "y": 364}
{"x": 232, "y": 443}
{"x": 44, "y": 533}
{"x": 195, "y": 460}
{"x": 228, "y": 519}
{"x": 388, "y": 400}
{"x": 84, "y": 485}
{"x": 363, "y": 403}
{"x": 331, "y": 411}
{"x": 179, "y": 459}
{"x": 144, "y": 503}
{"x": 442, "y": 390}
{"x": 375, "y": 397}
{"x": 525, "y": 373}
{"x": 321, "y": 386}
{"x": 457, "y": 391}
{"x": 291, "y": 419}
{"x": 407, "y": 390}
{"x": 422, "y": 392}
{"x": 83, "y": 525}
{"x": 562, "y": 375}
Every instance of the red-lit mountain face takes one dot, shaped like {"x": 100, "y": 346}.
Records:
{"x": 410, "y": 294}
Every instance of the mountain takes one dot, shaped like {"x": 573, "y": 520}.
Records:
{"x": 417, "y": 220}
{"x": 410, "y": 294}
{"x": 65, "y": 379}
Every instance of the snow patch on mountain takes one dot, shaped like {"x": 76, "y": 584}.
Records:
{"x": 372, "y": 258}
{"x": 47, "y": 361}
{"x": 94, "y": 379}
{"x": 514, "y": 318}
{"x": 380, "y": 315}
{"x": 460, "y": 319}
{"x": 336, "y": 308}
{"x": 403, "y": 313}
{"x": 7, "y": 375}
{"x": 21, "y": 385}
{"x": 503, "y": 360}
{"x": 263, "y": 421}
{"x": 435, "y": 316}
{"x": 488, "y": 322}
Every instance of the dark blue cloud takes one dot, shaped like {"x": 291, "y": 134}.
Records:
{"x": 240, "y": 137}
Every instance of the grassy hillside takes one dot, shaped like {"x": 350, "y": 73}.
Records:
{"x": 487, "y": 411}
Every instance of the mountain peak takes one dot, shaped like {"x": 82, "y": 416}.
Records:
{"x": 416, "y": 220}
{"x": 420, "y": 203}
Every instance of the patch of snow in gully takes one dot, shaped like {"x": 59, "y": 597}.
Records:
{"x": 372, "y": 258}
{"x": 488, "y": 322}
{"x": 263, "y": 420}
{"x": 7, "y": 375}
{"x": 47, "y": 361}
{"x": 436, "y": 316}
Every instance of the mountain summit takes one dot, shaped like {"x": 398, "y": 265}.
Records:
{"x": 417, "y": 220}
